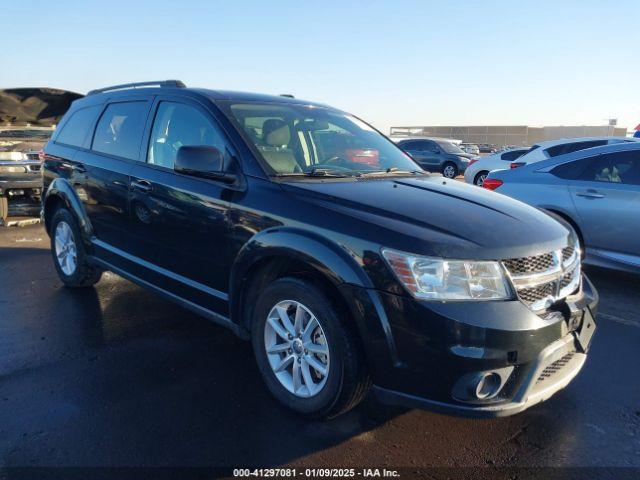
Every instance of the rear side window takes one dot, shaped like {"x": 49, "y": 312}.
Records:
{"x": 573, "y": 147}
{"x": 119, "y": 130}
{"x": 407, "y": 145}
{"x": 512, "y": 155}
{"x": 619, "y": 167}
{"x": 75, "y": 131}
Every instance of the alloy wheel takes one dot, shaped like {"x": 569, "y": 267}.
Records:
{"x": 297, "y": 348}
{"x": 449, "y": 171}
{"x": 65, "y": 247}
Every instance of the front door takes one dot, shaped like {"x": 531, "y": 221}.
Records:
{"x": 180, "y": 222}
{"x": 607, "y": 200}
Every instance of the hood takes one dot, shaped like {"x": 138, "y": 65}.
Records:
{"x": 34, "y": 106}
{"x": 432, "y": 216}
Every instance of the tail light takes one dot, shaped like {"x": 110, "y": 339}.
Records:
{"x": 517, "y": 164}
{"x": 41, "y": 155}
{"x": 472, "y": 161}
{"x": 491, "y": 183}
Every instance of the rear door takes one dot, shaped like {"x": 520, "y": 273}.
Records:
{"x": 101, "y": 173}
{"x": 179, "y": 222}
{"x": 607, "y": 200}
{"x": 426, "y": 153}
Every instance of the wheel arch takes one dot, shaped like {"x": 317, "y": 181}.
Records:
{"x": 568, "y": 218}
{"x": 279, "y": 252}
{"x": 61, "y": 193}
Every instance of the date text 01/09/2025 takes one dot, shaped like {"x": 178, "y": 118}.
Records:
{"x": 316, "y": 473}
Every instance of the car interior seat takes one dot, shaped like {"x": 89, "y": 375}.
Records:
{"x": 276, "y": 134}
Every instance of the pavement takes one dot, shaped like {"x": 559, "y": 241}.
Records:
{"x": 116, "y": 376}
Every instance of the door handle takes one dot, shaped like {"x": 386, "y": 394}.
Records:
{"x": 590, "y": 194}
{"x": 141, "y": 185}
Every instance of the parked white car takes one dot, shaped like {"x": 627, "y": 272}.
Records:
{"x": 478, "y": 169}
{"x": 553, "y": 148}
{"x": 471, "y": 148}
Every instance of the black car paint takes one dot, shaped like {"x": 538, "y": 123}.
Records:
{"x": 200, "y": 242}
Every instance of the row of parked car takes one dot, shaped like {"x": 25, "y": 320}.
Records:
{"x": 591, "y": 182}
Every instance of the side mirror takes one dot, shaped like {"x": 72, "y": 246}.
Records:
{"x": 202, "y": 161}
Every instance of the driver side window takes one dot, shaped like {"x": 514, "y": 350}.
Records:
{"x": 177, "y": 125}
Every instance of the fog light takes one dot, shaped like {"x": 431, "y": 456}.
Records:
{"x": 14, "y": 193}
{"x": 488, "y": 386}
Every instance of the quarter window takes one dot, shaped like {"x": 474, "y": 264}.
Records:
{"x": 75, "y": 131}
{"x": 178, "y": 125}
{"x": 119, "y": 130}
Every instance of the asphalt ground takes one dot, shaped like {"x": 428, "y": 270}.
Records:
{"x": 115, "y": 376}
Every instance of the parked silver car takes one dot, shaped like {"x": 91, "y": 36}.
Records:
{"x": 597, "y": 190}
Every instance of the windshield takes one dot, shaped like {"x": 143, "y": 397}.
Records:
{"x": 449, "y": 147}
{"x": 298, "y": 139}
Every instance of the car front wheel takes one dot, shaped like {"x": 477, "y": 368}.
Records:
{"x": 308, "y": 356}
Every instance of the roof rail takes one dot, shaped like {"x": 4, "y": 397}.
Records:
{"x": 125, "y": 86}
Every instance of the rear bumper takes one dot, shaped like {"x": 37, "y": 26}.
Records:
{"x": 8, "y": 183}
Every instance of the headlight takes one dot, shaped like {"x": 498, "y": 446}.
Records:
{"x": 464, "y": 159}
{"x": 440, "y": 279}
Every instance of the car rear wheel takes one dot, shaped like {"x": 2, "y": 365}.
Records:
{"x": 309, "y": 358}
{"x": 480, "y": 177}
{"x": 69, "y": 256}
{"x": 4, "y": 210}
{"x": 449, "y": 170}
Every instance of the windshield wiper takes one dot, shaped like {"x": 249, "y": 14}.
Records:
{"x": 395, "y": 171}
{"x": 331, "y": 172}
{"x": 321, "y": 172}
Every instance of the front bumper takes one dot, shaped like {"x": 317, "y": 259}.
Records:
{"x": 442, "y": 348}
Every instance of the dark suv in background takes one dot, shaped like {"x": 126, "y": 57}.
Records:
{"x": 437, "y": 155}
{"x": 344, "y": 269}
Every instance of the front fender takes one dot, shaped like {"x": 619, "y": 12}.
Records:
{"x": 326, "y": 256}
{"x": 335, "y": 262}
{"x": 61, "y": 190}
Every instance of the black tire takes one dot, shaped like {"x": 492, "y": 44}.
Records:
{"x": 4, "y": 210}
{"x": 85, "y": 274}
{"x": 347, "y": 380}
{"x": 483, "y": 174}
{"x": 445, "y": 168}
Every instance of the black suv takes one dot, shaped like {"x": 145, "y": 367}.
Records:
{"x": 302, "y": 228}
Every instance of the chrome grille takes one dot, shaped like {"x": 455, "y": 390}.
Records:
{"x": 567, "y": 252}
{"x": 539, "y": 263}
{"x": 532, "y": 295}
{"x": 541, "y": 280}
